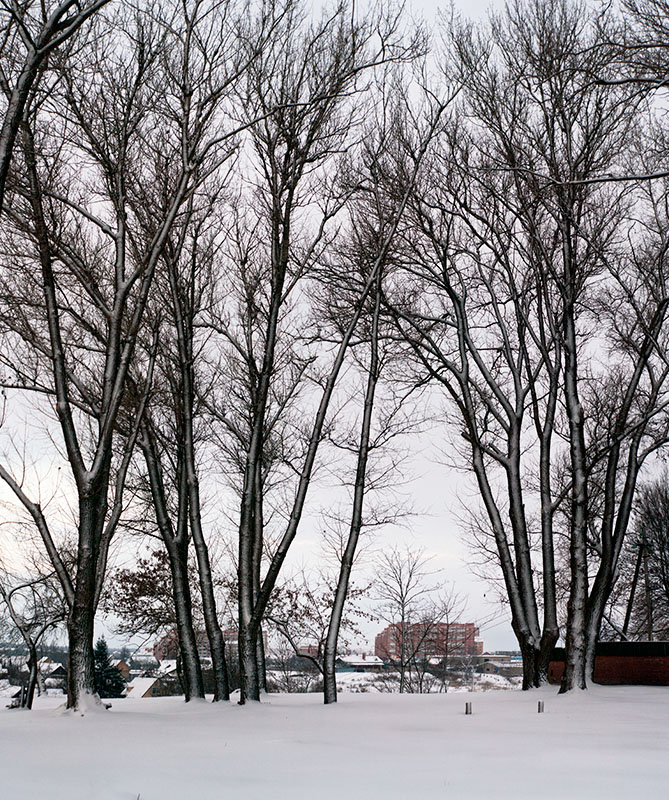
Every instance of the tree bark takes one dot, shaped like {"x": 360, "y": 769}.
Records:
{"x": 261, "y": 661}
{"x": 193, "y": 684}
{"x": 80, "y": 664}
{"x": 176, "y": 545}
{"x": 213, "y": 627}
{"x": 575, "y": 641}
{"x": 32, "y": 677}
{"x": 248, "y": 661}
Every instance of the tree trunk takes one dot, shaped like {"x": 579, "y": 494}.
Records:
{"x": 551, "y": 630}
{"x": 530, "y": 656}
{"x": 32, "y": 678}
{"x": 258, "y": 542}
{"x": 248, "y": 568}
{"x": 330, "y": 653}
{"x": 521, "y": 541}
{"x": 193, "y": 685}
{"x": 574, "y": 676}
{"x": 329, "y": 676}
{"x": 176, "y": 545}
{"x": 517, "y": 600}
{"x": 635, "y": 580}
{"x": 649, "y": 600}
{"x": 248, "y": 663}
{"x": 249, "y": 678}
{"x": 80, "y": 669}
{"x": 213, "y": 627}
{"x": 260, "y": 660}
{"x": 81, "y": 619}
{"x": 403, "y": 662}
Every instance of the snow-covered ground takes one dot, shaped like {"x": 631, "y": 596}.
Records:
{"x": 609, "y": 742}
{"x": 389, "y": 682}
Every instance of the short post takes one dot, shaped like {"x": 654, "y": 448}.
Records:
{"x": 468, "y": 708}
{"x": 540, "y": 707}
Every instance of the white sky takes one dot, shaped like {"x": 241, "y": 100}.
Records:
{"x": 468, "y": 8}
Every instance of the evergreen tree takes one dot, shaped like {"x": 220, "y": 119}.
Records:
{"x": 108, "y": 680}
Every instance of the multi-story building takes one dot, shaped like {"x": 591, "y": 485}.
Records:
{"x": 427, "y": 640}
{"x": 167, "y": 647}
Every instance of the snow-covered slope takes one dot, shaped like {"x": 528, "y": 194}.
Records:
{"x": 609, "y": 742}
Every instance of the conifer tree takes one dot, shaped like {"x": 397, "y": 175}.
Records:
{"x": 108, "y": 680}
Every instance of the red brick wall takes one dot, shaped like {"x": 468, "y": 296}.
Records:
{"x": 639, "y": 670}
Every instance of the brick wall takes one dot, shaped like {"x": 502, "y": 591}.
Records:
{"x": 622, "y": 670}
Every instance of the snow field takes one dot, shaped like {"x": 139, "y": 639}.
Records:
{"x": 609, "y": 742}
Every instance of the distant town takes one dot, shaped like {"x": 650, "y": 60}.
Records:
{"x": 415, "y": 657}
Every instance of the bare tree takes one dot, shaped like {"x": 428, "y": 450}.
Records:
{"x": 35, "y": 607}
{"x": 301, "y": 613}
{"x": 98, "y": 253}
{"x": 384, "y": 413}
{"x": 301, "y": 90}
{"x": 523, "y": 244}
{"x": 640, "y": 38}
{"x": 220, "y": 47}
{"x": 639, "y": 609}
{"x": 31, "y": 32}
{"x": 420, "y": 611}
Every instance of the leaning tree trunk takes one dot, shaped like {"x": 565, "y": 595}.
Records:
{"x": 192, "y": 682}
{"x": 524, "y": 625}
{"x": 613, "y": 533}
{"x": 330, "y": 653}
{"x": 212, "y": 625}
{"x": 214, "y": 633}
{"x": 176, "y": 546}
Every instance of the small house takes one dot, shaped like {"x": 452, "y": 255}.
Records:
{"x": 359, "y": 663}
{"x": 146, "y": 687}
{"x": 124, "y": 669}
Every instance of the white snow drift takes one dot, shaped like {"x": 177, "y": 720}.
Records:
{"x": 608, "y": 743}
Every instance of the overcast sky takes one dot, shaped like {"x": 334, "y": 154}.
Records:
{"x": 471, "y": 8}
